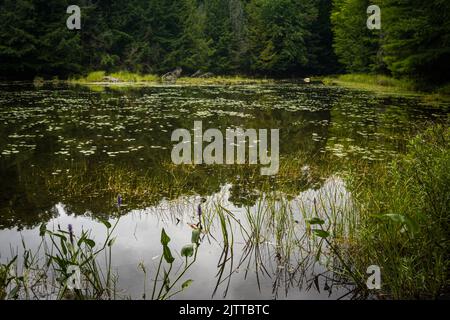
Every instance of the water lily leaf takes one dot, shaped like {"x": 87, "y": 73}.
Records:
{"x": 321, "y": 233}
{"x": 187, "y": 251}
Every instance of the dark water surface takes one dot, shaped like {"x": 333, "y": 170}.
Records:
{"x": 66, "y": 152}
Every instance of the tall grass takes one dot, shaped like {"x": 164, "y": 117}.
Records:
{"x": 122, "y": 76}
{"x": 130, "y": 77}
{"x": 223, "y": 80}
{"x": 126, "y": 76}
{"x": 404, "y": 212}
{"x": 95, "y": 76}
{"x": 45, "y": 272}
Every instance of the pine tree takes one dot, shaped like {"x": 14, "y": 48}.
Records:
{"x": 18, "y": 43}
{"x": 417, "y": 38}
{"x": 279, "y": 35}
{"x": 356, "y": 46}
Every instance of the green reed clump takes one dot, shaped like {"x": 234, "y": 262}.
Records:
{"x": 404, "y": 218}
{"x": 6, "y": 278}
{"x": 50, "y": 271}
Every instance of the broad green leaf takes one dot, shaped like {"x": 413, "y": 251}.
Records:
{"x": 164, "y": 238}
{"x": 395, "y": 217}
{"x": 90, "y": 242}
{"x": 168, "y": 255}
{"x": 63, "y": 247}
{"x": 14, "y": 292}
{"x": 111, "y": 242}
{"x": 59, "y": 236}
{"x": 321, "y": 233}
{"x": 316, "y": 220}
{"x": 187, "y": 251}
{"x": 166, "y": 281}
{"x": 186, "y": 284}
{"x": 106, "y": 223}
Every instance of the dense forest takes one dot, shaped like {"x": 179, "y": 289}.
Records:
{"x": 278, "y": 38}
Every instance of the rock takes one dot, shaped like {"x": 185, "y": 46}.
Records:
{"x": 173, "y": 75}
{"x": 307, "y": 80}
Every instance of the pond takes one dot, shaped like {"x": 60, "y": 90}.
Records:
{"x": 68, "y": 152}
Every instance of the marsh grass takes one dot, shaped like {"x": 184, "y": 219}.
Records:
{"x": 223, "y": 80}
{"x": 387, "y": 85}
{"x": 122, "y": 76}
{"x": 392, "y": 214}
{"x": 272, "y": 243}
{"x": 125, "y": 77}
{"x": 404, "y": 218}
{"x": 44, "y": 273}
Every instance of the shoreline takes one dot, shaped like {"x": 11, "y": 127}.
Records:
{"x": 386, "y": 85}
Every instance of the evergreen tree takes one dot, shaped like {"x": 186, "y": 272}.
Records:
{"x": 60, "y": 50}
{"x": 356, "y": 46}
{"x": 417, "y": 38}
{"x": 219, "y": 34}
{"x": 273, "y": 37}
{"x": 322, "y": 58}
{"x": 18, "y": 43}
{"x": 279, "y": 34}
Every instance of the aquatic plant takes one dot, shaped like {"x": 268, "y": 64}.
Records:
{"x": 403, "y": 219}
{"x": 167, "y": 286}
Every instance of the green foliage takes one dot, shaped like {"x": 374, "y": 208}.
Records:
{"x": 166, "y": 289}
{"x": 279, "y": 34}
{"x": 95, "y": 76}
{"x": 413, "y": 41}
{"x": 405, "y": 218}
{"x": 49, "y": 267}
{"x": 416, "y": 40}
{"x": 257, "y": 37}
{"x": 356, "y": 46}
{"x": 153, "y": 37}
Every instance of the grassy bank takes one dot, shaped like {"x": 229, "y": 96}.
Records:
{"x": 389, "y": 85}
{"x": 404, "y": 219}
{"x": 127, "y": 78}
